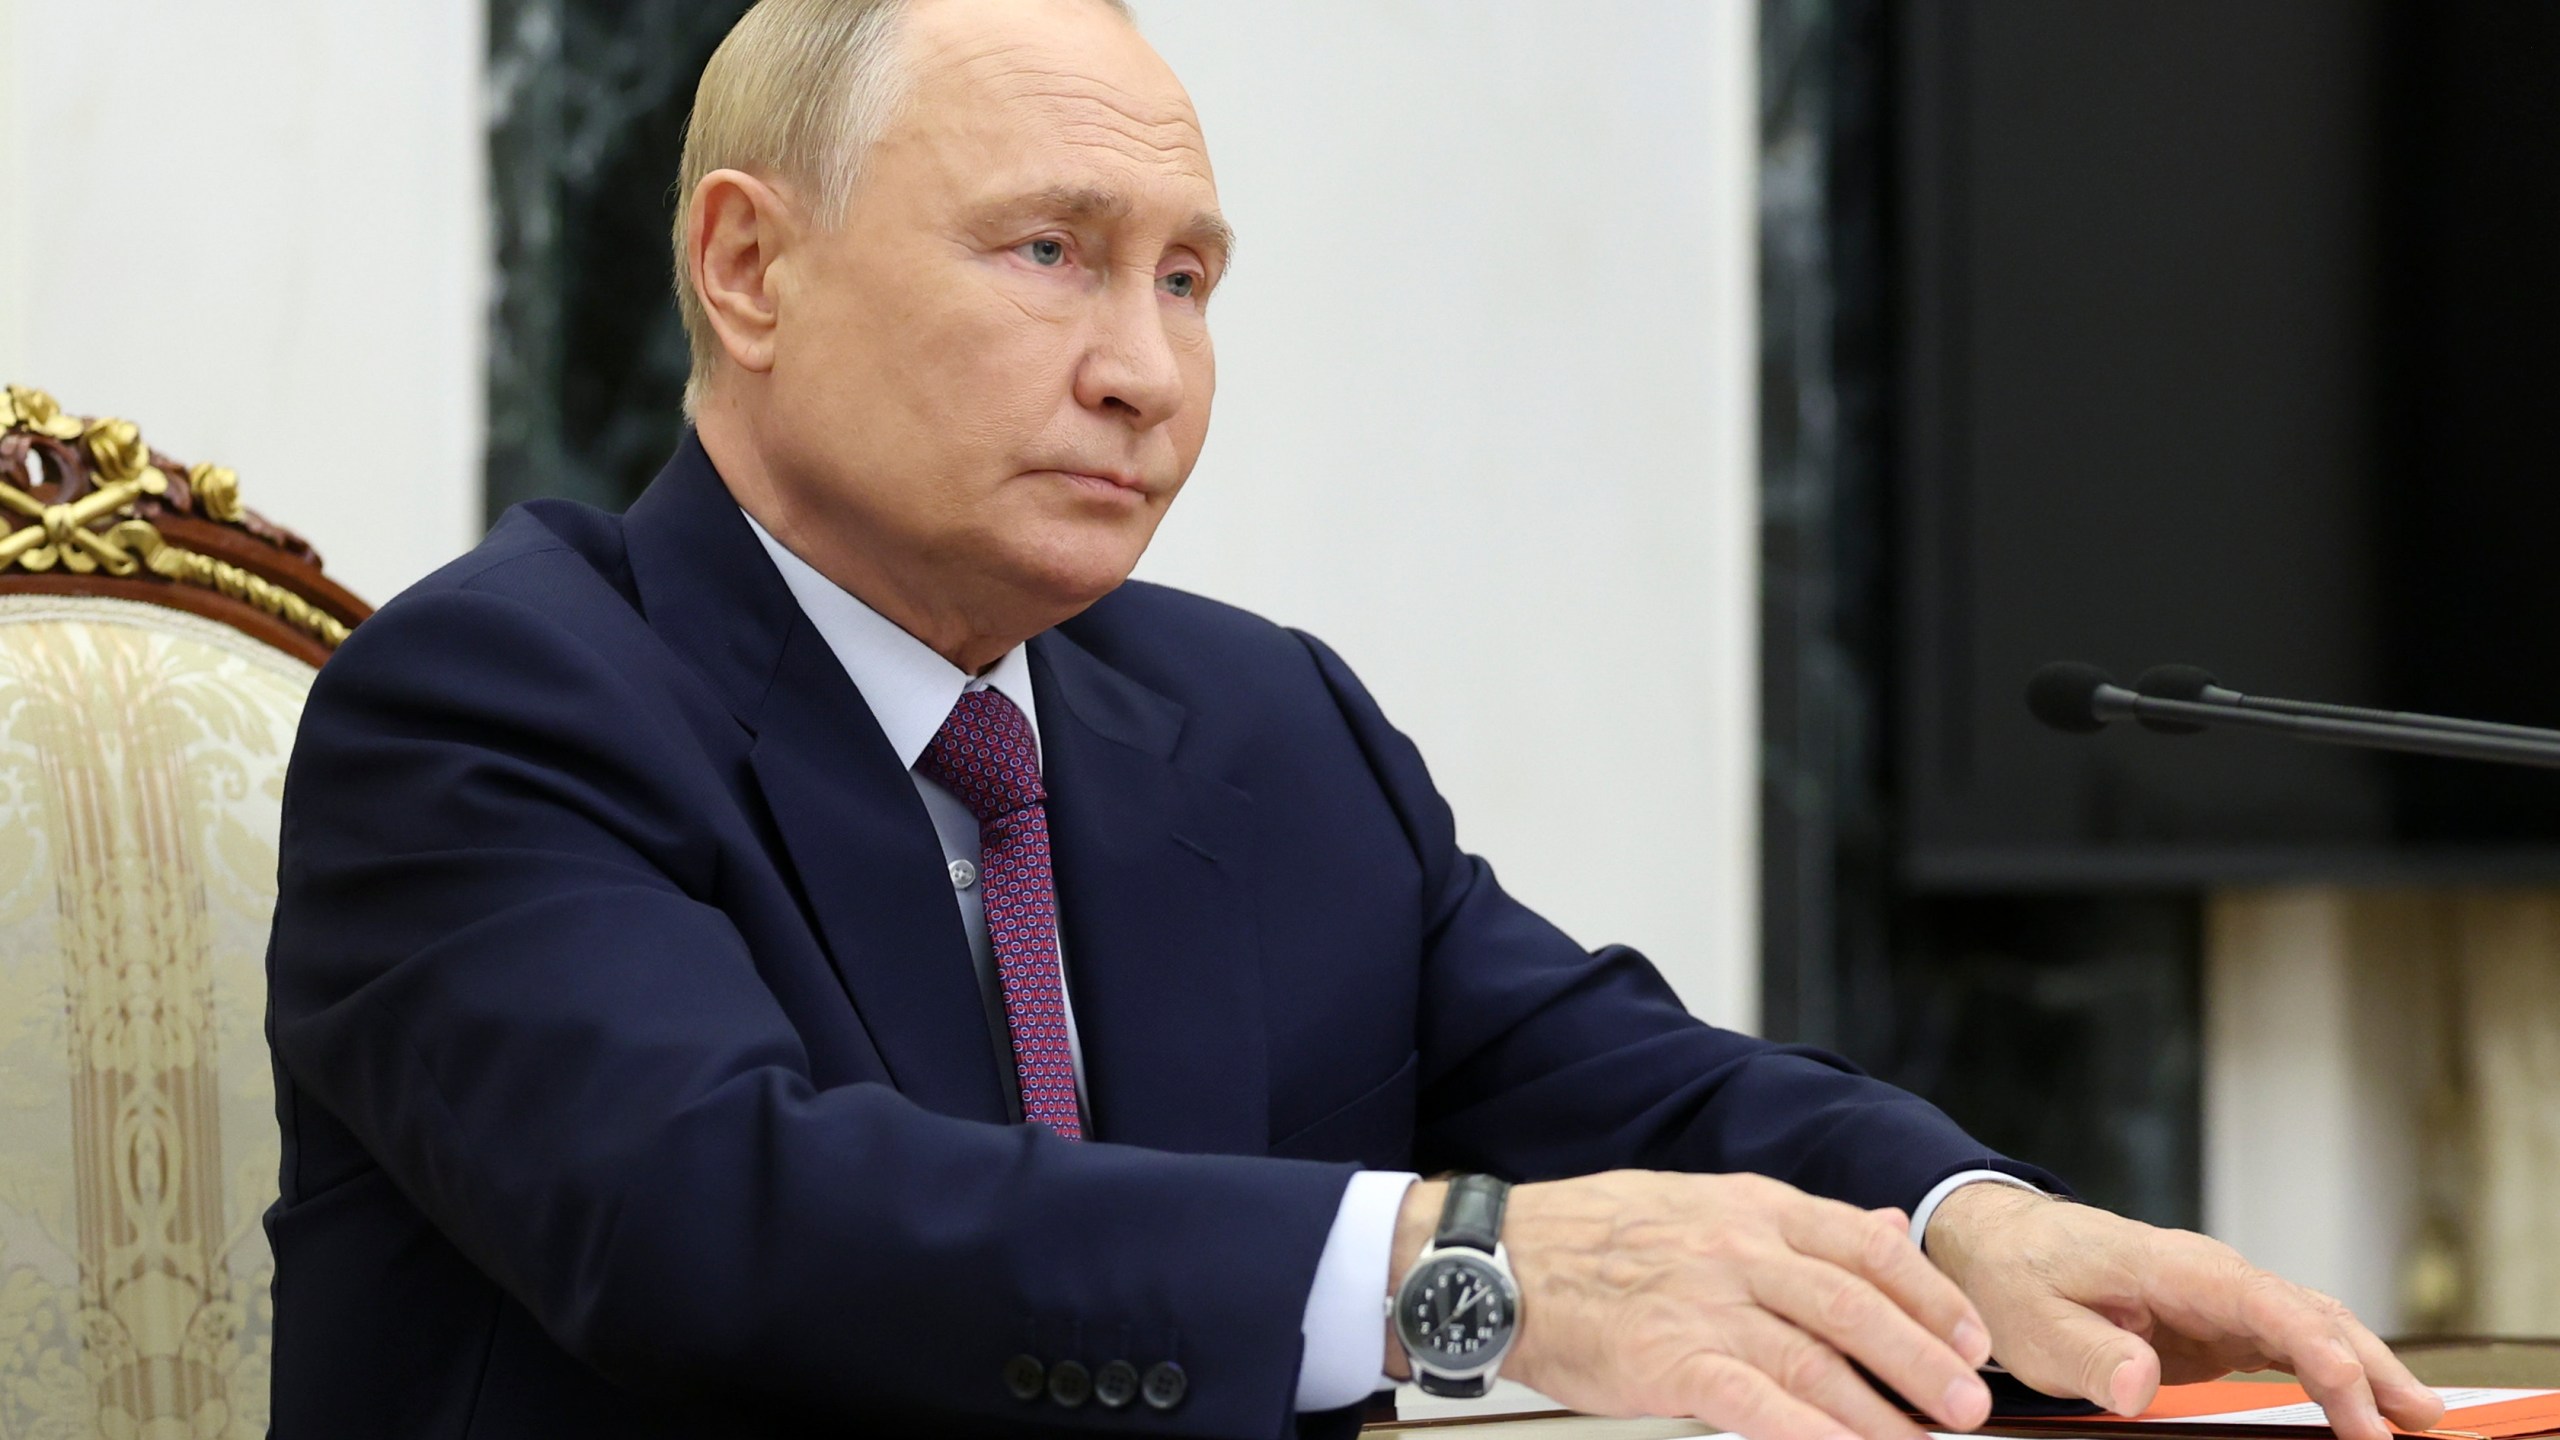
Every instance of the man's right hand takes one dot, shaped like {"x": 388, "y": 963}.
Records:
{"x": 1733, "y": 1299}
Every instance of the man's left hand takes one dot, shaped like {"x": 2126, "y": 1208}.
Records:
{"x": 2082, "y": 1302}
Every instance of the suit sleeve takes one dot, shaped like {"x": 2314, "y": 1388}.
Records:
{"x": 1541, "y": 1060}
{"x": 494, "y": 964}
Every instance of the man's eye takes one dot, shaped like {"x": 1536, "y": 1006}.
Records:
{"x": 1045, "y": 252}
{"x": 1182, "y": 284}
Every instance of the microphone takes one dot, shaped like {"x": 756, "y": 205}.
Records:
{"x": 2069, "y": 695}
{"x": 2187, "y": 682}
{"x": 2081, "y": 699}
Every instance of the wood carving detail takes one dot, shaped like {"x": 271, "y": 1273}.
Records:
{"x": 90, "y": 498}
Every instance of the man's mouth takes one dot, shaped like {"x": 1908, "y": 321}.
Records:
{"x": 1106, "y": 481}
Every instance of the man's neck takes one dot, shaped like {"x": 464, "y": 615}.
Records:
{"x": 946, "y": 629}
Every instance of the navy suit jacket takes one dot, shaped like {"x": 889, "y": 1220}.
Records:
{"x": 634, "y": 1077}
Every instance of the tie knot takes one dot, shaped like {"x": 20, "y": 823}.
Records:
{"x": 986, "y": 754}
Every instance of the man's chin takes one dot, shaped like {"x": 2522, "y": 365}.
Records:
{"x": 1067, "y": 586}
{"x": 1071, "y": 562}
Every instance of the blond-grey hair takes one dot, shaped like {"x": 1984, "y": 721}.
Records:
{"x": 797, "y": 93}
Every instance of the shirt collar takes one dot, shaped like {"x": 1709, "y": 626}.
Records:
{"x": 909, "y": 688}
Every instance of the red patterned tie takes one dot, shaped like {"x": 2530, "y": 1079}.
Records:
{"x": 987, "y": 756}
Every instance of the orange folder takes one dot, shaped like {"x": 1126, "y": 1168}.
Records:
{"x": 2249, "y": 1408}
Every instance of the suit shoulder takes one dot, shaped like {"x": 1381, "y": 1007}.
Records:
{"x": 1206, "y": 653}
{"x": 548, "y": 573}
{"x": 534, "y": 552}
{"x": 1160, "y": 611}
{"x": 1142, "y": 620}
{"x": 557, "y": 559}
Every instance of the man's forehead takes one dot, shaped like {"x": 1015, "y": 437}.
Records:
{"x": 1059, "y": 54}
{"x": 1057, "y": 107}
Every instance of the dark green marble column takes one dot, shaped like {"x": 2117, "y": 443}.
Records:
{"x": 587, "y": 103}
{"x": 2061, "y": 1027}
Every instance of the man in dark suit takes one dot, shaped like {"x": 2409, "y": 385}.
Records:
{"x": 821, "y": 950}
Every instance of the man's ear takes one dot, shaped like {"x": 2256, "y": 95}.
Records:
{"x": 740, "y": 227}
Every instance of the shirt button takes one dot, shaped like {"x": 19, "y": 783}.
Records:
{"x": 1069, "y": 1383}
{"x": 1166, "y": 1385}
{"x": 963, "y": 874}
{"x": 1025, "y": 1377}
{"x": 1116, "y": 1384}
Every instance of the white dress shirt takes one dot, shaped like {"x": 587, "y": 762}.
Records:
{"x": 911, "y": 690}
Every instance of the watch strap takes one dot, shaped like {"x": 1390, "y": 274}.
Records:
{"x": 1471, "y": 1215}
{"x": 1474, "y": 1387}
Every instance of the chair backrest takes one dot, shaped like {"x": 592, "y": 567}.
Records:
{"x": 156, "y": 644}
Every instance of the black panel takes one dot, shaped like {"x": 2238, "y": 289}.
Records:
{"x": 2474, "y": 368}
{"x": 2225, "y": 334}
{"x": 2141, "y": 291}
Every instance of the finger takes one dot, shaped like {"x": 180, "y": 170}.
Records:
{"x": 1859, "y": 1320}
{"x": 2405, "y": 1400}
{"x": 1817, "y": 1374}
{"x": 1728, "y": 1394}
{"x": 2293, "y": 1325}
{"x": 2334, "y": 1375}
{"x": 2068, "y": 1349}
{"x": 2185, "y": 1365}
{"x": 1876, "y": 1247}
{"x": 2209, "y": 1288}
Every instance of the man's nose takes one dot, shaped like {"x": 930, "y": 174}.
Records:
{"x": 1130, "y": 371}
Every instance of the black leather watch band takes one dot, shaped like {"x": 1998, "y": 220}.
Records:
{"x": 1472, "y": 1213}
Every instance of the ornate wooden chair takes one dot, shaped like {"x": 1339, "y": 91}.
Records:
{"x": 156, "y": 643}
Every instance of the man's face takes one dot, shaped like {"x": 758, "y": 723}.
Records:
{"x": 997, "y": 370}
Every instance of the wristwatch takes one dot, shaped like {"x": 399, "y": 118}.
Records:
{"x": 1458, "y": 1309}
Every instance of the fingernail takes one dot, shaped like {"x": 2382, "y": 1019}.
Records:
{"x": 2115, "y": 1392}
{"x": 1973, "y": 1343}
{"x": 1967, "y": 1402}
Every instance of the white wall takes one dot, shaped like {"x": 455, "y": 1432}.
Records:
{"x": 1485, "y": 422}
{"x": 13, "y": 200}
{"x": 256, "y": 229}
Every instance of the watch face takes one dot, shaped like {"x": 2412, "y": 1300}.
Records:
{"x": 1455, "y": 1312}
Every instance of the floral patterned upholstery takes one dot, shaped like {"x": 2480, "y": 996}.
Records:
{"x": 142, "y": 755}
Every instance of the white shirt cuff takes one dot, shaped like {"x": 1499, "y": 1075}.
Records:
{"x": 1345, "y": 1325}
{"x": 1938, "y": 1194}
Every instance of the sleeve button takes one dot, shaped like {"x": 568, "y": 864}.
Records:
{"x": 1025, "y": 1377}
{"x": 1116, "y": 1384}
{"x": 1166, "y": 1385}
{"x": 1070, "y": 1384}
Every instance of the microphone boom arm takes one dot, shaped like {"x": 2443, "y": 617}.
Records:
{"x": 2540, "y": 749}
{"x": 2186, "y": 682}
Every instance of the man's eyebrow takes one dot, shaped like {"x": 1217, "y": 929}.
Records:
{"x": 1210, "y": 231}
{"x": 1207, "y": 229}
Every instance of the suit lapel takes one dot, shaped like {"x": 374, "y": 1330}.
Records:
{"x": 873, "y": 875}
{"x": 1162, "y": 956}
{"x": 859, "y": 841}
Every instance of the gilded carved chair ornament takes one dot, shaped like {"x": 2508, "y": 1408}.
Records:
{"x": 111, "y": 495}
